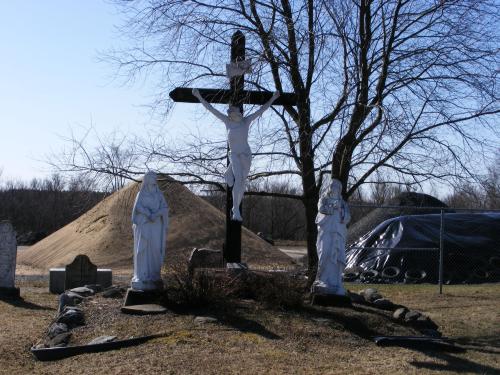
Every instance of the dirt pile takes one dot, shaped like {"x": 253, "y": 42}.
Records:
{"x": 104, "y": 233}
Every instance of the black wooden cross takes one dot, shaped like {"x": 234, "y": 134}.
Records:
{"x": 235, "y": 96}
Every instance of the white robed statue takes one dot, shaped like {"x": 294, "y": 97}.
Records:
{"x": 240, "y": 155}
{"x": 150, "y": 225}
{"x": 332, "y": 219}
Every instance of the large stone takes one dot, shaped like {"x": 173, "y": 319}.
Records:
{"x": 69, "y": 298}
{"x": 384, "y": 304}
{"x": 113, "y": 292}
{"x": 57, "y": 278}
{"x": 400, "y": 313}
{"x": 80, "y": 272}
{"x": 83, "y": 291}
{"x": 370, "y": 295}
{"x": 72, "y": 318}
{"x": 56, "y": 329}
{"x": 412, "y": 315}
{"x": 424, "y": 322}
{"x": 96, "y": 288}
{"x": 205, "y": 258}
{"x": 59, "y": 340}
{"x": 8, "y": 254}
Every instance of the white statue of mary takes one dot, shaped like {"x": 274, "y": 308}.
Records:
{"x": 332, "y": 219}
{"x": 150, "y": 225}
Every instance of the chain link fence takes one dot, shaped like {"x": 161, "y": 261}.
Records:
{"x": 440, "y": 245}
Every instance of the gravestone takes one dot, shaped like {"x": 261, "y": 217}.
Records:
{"x": 8, "y": 253}
{"x": 80, "y": 272}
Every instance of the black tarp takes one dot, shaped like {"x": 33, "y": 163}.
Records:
{"x": 471, "y": 244}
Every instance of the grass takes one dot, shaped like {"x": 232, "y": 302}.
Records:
{"x": 254, "y": 337}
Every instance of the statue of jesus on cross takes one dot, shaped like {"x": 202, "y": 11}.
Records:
{"x": 240, "y": 156}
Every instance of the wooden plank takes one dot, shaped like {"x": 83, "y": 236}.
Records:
{"x": 185, "y": 95}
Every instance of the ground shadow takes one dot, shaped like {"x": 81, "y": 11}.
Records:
{"x": 452, "y": 363}
{"x": 227, "y": 315}
{"x": 246, "y": 325}
{"x": 23, "y": 304}
{"x": 349, "y": 323}
{"x": 485, "y": 344}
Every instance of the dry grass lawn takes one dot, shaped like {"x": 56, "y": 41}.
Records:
{"x": 252, "y": 339}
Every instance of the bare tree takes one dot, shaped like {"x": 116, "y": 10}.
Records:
{"x": 404, "y": 86}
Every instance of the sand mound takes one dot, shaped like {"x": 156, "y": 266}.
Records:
{"x": 104, "y": 233}
{"x": 378, "y": 215}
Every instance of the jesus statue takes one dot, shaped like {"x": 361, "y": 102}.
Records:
{"x": 240, "y": 156}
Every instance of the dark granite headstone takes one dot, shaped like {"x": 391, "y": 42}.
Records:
{"x": 80, "y": 272}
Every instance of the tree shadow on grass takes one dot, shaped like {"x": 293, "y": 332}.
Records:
{"x": 483, "y": 344}
{"x": 452, "y": 363}
{"x": 350, "y": 323}
{"x": 23, "y": 304}
{"x": 246, "y": 325}
{"x": 227, "y": 315}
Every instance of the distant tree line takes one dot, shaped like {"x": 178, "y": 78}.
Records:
{"x": 42, "y": 206}
{"x": 283, "y": 218}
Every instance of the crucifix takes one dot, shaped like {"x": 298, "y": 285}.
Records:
{"x": 237, "y": 127}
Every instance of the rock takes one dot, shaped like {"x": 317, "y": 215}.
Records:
{"x": 102, "y": 340}
{"x": 77, "y": 298}
{"x": 69, "y": 299}
{"x": 205, "y": 319}
{"x": 61, "y": 339}
{"x": 83, "y": 291}
{"x": 56, "y": 329}
{"x": 64, "y": 300}
{"x": 68, "y": 308}
{"x": 424, "y": 322}
{"x": 96, "y": 288}
{"x": 400, "y": 313}
{"x": 72, "y": 318}
{"x": 113, "y": 292}
{"x": 370, "y": 294}
{"x": 384, "y": 304}
{"x": 411, "y": 316}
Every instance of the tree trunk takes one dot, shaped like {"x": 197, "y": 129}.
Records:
{"x": 311, "y": 192}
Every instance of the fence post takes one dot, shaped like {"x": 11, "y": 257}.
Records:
{"x": 441, "y": 251}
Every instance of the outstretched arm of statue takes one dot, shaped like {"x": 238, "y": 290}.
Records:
{"x": 209, "y": 107}
{"x": 262, "y": 109}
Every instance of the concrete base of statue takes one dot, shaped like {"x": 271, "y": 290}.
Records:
{"x": 142, "y": 297}
{"x": 334, "y": 300}
{"x": 9, "y": 293}
{"x": 324, "y": 295}
{"x": 145, "y": 285}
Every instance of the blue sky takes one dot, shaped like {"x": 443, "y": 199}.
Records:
{"x": 51, "y": 80}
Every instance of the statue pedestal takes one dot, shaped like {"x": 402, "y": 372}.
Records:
{"x": 142, "y": 297}
{"x": 147, "y": 285}
{"x": 9, "y": 293}
{"x": 334, "y": 300}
